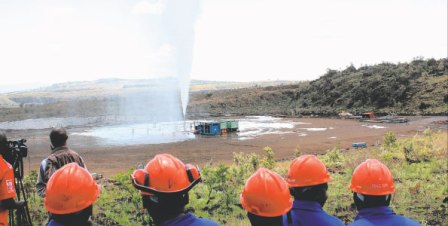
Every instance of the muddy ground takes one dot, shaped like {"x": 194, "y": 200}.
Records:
{"x": 109, "y": 160}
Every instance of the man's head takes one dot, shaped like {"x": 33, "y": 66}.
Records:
{"x": 372, "y": 184}
{"x": 70, "y": 193}
{"x": 3, "y": 142}
{"x": 4, "y": 148}
{"x": 164, "y": 184}
{"x": 316, "y": 193}
{"x": 307, "y": 178}
{"x": 266, "y": 198}
{"x": 58, "y": 137}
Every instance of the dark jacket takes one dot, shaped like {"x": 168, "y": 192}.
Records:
{"x": 58, "y": 158}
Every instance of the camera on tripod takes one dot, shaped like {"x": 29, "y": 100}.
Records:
{"x": 18, "y": 148}
{"x": 17, "y": 151}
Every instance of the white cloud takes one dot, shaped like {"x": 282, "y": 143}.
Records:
{"x": 144, "y": 7}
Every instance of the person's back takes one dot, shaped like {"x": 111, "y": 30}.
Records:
{"x": 383, "y": 216}
{"x": 60, "y": 156}
{"x": 188, "y": 219}
{"x": 373, "y": 185}
{"x": 310, "y": 213}
{"x": 308, "y": 181}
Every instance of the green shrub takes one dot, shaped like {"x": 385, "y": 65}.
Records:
{"x": 269, "y": 160}
{"x": 390, "y": 139}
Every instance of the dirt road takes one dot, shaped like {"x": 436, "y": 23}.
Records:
{"x": 313, "y": 135}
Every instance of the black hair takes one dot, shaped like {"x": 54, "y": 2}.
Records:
{"x": 3, "y": 139}
{"x": 315, "y": 193}
{"x": 371, "y": 201}
{"x": 4, "y": 147}
{"x": 165, "y": 207}
{"x": 58, "y": 137}
{"x": 256, "y": 220}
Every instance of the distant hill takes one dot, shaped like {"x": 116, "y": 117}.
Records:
{"x": 5, "y": 102}
{"x": 109, "y": 97}
{"x": 418, "y": 87}
{"x": 415, "y": 88}
{"x": 204, "y": 85}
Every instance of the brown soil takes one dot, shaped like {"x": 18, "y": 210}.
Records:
{"x": 109, "y": 160}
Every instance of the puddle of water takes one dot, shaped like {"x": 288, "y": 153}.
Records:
{"x": 254, "y": 126}
{"x": 332, "y": 137}
{"x": 375, "y": 127}
{"x": 302, "y": 134}
{"x": 145, "y": 133}
{"x": 45, "y": 123}
{"x": 315, "y": 129}
{"x": 153, "y": 133}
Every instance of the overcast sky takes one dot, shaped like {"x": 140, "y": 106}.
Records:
{"x": 47, "y": 41}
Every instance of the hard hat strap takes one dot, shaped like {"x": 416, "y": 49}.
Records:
{"x": 147, "y": 189}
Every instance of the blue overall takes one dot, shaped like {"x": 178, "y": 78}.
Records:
{"x": 383, "y": 216}
{"x": 189, "y": 219}
{"x": 310, "y": 213}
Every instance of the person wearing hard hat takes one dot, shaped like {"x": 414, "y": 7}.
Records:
{"x": 266, "y": 198}
{"x": 70, "y": 193}
{"x": 164, "y": 184}
{"x": 308, "y": 181}
{"x": 373, "y": 185}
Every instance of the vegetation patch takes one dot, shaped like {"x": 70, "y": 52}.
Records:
{"x": 418, "y": 164}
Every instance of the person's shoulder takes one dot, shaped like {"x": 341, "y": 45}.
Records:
{"x": 326, "y": 219}
{"x": 408, "y": 221}
{"x": 202, "y": 221}
{"x": 54, "y": 223}
{"x": 4, "y": 166}
{"x": 334, "y": 220}
{"x": 361, "y": 222}
{"x": 72, "y": 151}
{"x": 207, "y": 222}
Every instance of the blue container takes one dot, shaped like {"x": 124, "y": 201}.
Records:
{"x": 215, "y": 128}
{"x": 359, "y": 145}
{"x": 208, "y": 128}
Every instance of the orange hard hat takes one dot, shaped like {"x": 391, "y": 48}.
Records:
{"x": 372, "y": 178}
{"x": 165, "y": 174}
{"x": 70, "y": 190}
{"x": 266, "y": 194}
{"x": 307, "y": 170}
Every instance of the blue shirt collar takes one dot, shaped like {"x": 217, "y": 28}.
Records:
{"x": 179, "y": 220}
{"x": 307, "y": 205}
{"x": 374, "y": 212}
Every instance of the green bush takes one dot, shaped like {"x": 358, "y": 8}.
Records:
{"x": 390, "y": 140}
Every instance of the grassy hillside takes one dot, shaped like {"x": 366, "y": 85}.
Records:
{"x": 419, "y": 87}
{"x": 418, "y": 165}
